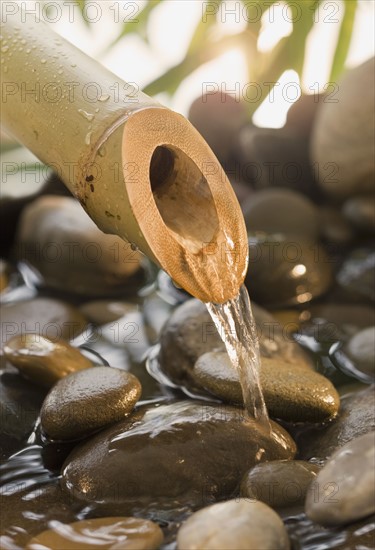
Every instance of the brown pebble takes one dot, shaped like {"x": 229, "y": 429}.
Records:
{"x": 42, "y": 360}
{"x": 113, "y": 533}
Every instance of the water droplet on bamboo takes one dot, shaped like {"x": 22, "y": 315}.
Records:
{"x": 104, "y": 97}
{"x": 86, "y": 115}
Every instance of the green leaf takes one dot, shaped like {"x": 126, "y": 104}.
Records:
{"x": 289, "y": 52}
{"x": 172, "y": 78}
{"x": 81, "y": 5}
{"x": 202, "y": 29}
{"x": 138, "y": 25}
{"x": 344, "y": 39}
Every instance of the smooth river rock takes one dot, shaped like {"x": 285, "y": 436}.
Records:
{"x": 88, "y": 400}
{"x": 190, "y": 452}
{"x": 71, "y": 253}
{"x": 234, "y": 525}
{"x": 20, "y": 402}
{"x": 292, "y": 392}
{"x": 286, "y": 271}
{"x": 101, "y": 312}
{"x": 50, "y": 318}
{"x": 361, "y": 349}
{"x": 280, "y": 483}
{"x": 42, "y": 360}
{"x": 190, "y": 332}
{"x": 343, "y": 139}
{"x": 276, "y": 157}
{"x": 356, "y": 417}
{"x": 360, "y": 212}
{"x": 357, "y": 274}
{"x": 113, "y": 533}
{"x": 218, "y": 117}
{"x": 344, "y": 490}
{"x": 282, "y": 211}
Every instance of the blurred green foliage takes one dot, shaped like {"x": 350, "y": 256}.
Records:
{"x": 289, "y": 52}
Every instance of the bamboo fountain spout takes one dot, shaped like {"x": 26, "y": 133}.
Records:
{"x": 140, "y": 171}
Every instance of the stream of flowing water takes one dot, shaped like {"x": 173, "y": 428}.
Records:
{"x": 236, "y": 325}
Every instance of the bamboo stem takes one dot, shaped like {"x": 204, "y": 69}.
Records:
{"x": 140, "y": 170}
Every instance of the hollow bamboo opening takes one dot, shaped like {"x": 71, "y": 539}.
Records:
{"x": 182, "y": 195}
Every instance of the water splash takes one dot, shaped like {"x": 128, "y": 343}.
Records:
{"x": 236, "y": 325}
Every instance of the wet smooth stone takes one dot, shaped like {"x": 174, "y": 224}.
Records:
{"x": 360, "y": 212}
{"x": 361, "y": 349}
{"x": 292, "y": 392}
{"x": 128, "y": 332}
{"x": 291, "y": 319}
{"x": 20, "y": 402}
{"x": 42, "y": 360}
{"x": 74, "y": 255}
{"x": 343, "y": 139}
{"x": 283, "y": 271}
{"x": 188, "y": 452}
{"x": 357, "y": 274}
{"x": 218, "y": 117}
{"x": 52, "y": 319}
{"x": 87, "y": 400}
{"x": 190, "y": 332}
{"x": 156, "y": 312}
{"x": 356, "y": 417}
{"x": 307, "y": 534}
{"x": 113, "y": 533}
{"x": 277, "y": 158}
{"x": 334, "y": 228}
{"x": 234, "y": 525}
{"x": 347, "y": 317}
{"x": 282, "y": 211}
{"x": 301, "y": 115}
{"x": 26, "y": 512}
{"x": 280, "y": 483}
{"x": 102, "y": 312}
{"x": 344, "y": 490}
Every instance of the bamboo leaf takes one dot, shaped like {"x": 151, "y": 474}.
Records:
{"x": 202, "y": 29}
{"x": 344, "y": 39}
{"x": 138, "y": 25}
{"x": 289, "y": 53}
{"x": 172, "y": 78}
{"x": 81, "y": 5}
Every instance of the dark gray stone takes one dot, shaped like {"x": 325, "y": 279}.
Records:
{"x": 360, "y": 212}
{"x": 50, "y": 318}
{"x": 361, "y": 350}
{"x": 280, "y": 483}
{"x": 20, "y": 402}
{"x": 189, "y": 452}
{"x": 356, "y": 417}
{"x": 282, "y": 211}
{"x": 344, "y": 490}
{"x": 286, "y": 271}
